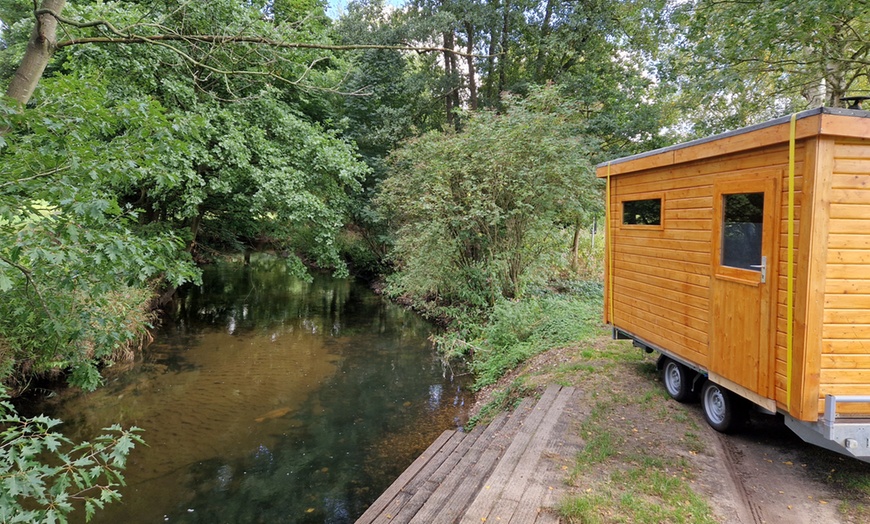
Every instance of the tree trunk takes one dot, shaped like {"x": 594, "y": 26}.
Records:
{"x": 472, "y": 81}
{"x": 815, "y": 94}
{"x": 834, "y": 84}
{"x": 455, "y": 80}
{"x": 545, "y": 32}
{"x": 502, "y": 55}
{"x": 195, "y": 222}
{"x": 39, "y": 50}
{"x": 449, "y": 61}
{"x": 491, "y": 89}
{"x": 835, "y": 75}
{"x": 575, "y": 248}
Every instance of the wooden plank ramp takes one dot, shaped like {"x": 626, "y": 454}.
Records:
{"x": 510, "y": 471}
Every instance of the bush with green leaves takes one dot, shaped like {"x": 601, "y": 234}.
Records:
{"x": 77, "y": 268}
{"x": 520, "y": 329}
{"x": 44, "y": 476}
{"x": 475, "y": 211}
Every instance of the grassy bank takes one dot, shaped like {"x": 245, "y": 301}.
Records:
{"x": 629, "y": 469}
{"x": 646, "y": 458}
{"x": 517, "y": 330}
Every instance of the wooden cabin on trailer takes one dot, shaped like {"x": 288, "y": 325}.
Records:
{"x": 744, "y": 260}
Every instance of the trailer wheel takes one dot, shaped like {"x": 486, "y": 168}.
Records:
{"x": 723, "y": 410}
{"x": 678, "y": 380}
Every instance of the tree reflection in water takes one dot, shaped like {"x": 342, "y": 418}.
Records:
{"x": 269, "y": 399}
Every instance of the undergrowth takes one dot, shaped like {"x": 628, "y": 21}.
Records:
{"x": 520, "y": 329}
{"x": 502, "y": 400}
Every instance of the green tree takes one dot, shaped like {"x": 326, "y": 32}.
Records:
{"x": 395, "y": 99}
{"x": 76, "y": 270}
{"x": 604, "y": 54}
{"x": 475, "y": 211}
{"x": 130, "y": 158}
{"x": 741, "y": 62}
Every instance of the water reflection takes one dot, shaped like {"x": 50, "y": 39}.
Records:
{"x": 268, "y": 399}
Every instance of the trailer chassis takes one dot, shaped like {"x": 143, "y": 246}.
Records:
{"x": 847, "y": 436}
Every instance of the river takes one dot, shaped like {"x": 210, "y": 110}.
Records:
{"x": 265, "y": 398}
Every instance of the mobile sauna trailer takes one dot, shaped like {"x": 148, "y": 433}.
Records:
{"x": 744, "y": 259}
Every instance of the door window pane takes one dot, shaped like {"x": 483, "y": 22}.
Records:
{"x": 743, "y": 215}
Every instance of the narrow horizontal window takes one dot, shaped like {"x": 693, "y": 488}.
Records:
{"x": 642, "y": 212}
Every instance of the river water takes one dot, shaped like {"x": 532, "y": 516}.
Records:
{"x": 268, "y": 399}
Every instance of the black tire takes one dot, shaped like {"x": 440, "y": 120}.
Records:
{"x": 678, "y": 380}
{"x": 723, "y": 410}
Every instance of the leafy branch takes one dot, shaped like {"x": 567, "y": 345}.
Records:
{"x": 48, "y": 173}
{"x": 34, "y": 490}
{"x": 126, "y": 36}
{"x": 28, "y": 276}
{"x": 167, "y": 37}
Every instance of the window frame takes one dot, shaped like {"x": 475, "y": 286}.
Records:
{"x": 639, "y": 197}
{"x": 760, "y": 184}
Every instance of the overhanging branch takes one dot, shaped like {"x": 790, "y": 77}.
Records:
{"x": 225, "y": 39}
{"x": 125, "y": 36}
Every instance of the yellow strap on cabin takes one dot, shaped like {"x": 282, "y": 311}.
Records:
{"x": 789, "y": 296}
{"x": 609, "y": 240}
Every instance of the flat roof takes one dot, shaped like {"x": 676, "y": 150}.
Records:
{"x": 765, "y": 133}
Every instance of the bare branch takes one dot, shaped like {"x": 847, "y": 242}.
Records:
{"x": 223, "y": 39}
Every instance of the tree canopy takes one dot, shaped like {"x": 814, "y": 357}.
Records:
{"x": 475, "y": 210}
{"x": 743, "y": 62}
{"x": 133, "y": 161}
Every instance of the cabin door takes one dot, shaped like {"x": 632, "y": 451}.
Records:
{"x": 744, "y": 225}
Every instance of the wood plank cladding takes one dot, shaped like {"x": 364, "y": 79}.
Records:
{"x": 664, "y": 277}
{"x": 816, "y": 122}
{"x": 845, "y": 344}
{"x": 661, "y": 283}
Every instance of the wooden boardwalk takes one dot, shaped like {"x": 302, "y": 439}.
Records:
{"x": 511, "y": 471}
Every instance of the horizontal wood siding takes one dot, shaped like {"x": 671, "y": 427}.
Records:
{"x": 662, "y": 275}
{"x": 845, "y": 344}
{"x": 661, "y": 281}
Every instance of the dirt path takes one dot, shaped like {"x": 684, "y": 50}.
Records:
{"x": 767, "y": 475}
{"x": 764, "y": 474}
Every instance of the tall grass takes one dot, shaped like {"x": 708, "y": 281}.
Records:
{"x": 520, "y": 329}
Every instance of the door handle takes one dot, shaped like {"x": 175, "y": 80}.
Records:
{"x": 763, "y": 268}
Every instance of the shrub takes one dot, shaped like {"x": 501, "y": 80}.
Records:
{"x": 518, "y": 330}
{"x": 475, "y": 212}
{"x": 44, "y": 475}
